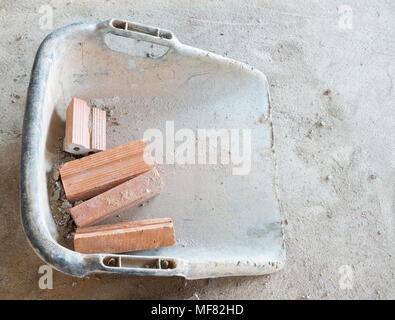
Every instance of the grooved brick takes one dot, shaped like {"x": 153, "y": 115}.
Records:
{"x": 85, "y": 128}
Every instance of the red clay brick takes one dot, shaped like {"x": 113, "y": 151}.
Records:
{"x": 121, "y": 197}
{"x": 125, "y": 236}
{"x": 85, "y": 128}
{"x": 91, "y": 175}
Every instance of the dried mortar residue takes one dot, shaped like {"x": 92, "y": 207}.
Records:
{"x": 60, "y": 206}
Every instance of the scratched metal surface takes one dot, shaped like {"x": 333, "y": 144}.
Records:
{"x": 225, "y": 224}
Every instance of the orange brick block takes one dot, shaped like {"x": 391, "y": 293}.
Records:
{"x": 121, "y": 197}
{"x": 85, "y": 128}
{"x": 89, "y": 176}
{"x": 125, "y": 236}
{"x": 98, "y": 130}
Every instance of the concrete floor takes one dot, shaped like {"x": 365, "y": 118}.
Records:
{"x": 333, "y": 108}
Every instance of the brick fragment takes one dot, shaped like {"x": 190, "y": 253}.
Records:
{"x": 85, "y": 128}
{"x": 125, "y": 236}
{"x": 91, "y": 175}
{"x": 121, "y": 197}
{"x": 98, "y": 131}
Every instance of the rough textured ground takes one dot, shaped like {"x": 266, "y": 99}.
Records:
{"x": 333, "y": 108}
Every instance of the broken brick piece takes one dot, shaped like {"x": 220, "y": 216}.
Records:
{"x": 98, "y": 131}
{"x": 125, "y": 236}
{"x": 77, "y": 136}
{"x": 89, "y": 176}
{"x": 121, "y": 197}
{"x": 85, "y": 128}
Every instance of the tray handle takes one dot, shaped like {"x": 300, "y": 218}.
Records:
{"x": 139, "y": 31}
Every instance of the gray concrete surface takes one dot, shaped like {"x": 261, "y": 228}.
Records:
{"x": 333, "y": 108}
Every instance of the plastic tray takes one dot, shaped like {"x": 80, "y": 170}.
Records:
{"x": 226, "y": 224}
